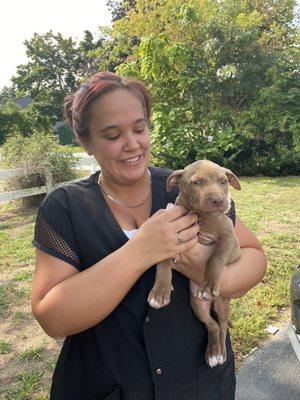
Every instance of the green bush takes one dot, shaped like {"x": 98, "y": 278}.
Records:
{"x": 37, "y": 154}
{"x": 224, "y": 79}
{"x": 15, "y": 119}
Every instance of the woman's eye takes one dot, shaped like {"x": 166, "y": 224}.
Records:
{"x": 141, "y": 130}
{"x": 113, "y": 137}
{"x": 198, "y": 182}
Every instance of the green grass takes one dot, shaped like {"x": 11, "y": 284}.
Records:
{"x": 5, "y": 347}
{"x": 23, "y": 275}
{"x": 26, "y": 387}
{"x": 32, "y": 354}
{"x": 268, "y": 206}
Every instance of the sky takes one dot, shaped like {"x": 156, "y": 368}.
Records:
{"x": 20, "y": 19}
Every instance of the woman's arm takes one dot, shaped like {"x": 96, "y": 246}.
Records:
{"x": 246, "y": 272}
{"x": 66, "y": 302}
{"x": 237, "y": 277}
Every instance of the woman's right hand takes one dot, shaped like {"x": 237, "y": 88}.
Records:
{"x": 167, "y": 233}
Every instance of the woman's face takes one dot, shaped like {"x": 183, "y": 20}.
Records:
{"x": 119, "y": 137}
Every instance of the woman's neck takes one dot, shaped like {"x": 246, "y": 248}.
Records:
{"x": 131, "y": 193}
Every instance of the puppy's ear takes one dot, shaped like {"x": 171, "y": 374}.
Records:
{"x": 233, "y": 180}
{"x": 174, "y": 179}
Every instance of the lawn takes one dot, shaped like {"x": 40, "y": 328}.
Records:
{"x": 269, "y": 207}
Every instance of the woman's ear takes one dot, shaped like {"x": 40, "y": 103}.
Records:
{"x": 174, "y": 179}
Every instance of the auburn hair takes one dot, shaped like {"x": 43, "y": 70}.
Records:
{"x": 77, "y": 105}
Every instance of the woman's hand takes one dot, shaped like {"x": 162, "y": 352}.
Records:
{"x": 167, "y": 233}
{"x": 238, "y": 277}
{"x": 192, "y": 262}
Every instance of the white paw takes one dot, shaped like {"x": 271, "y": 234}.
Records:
{"x": 203, "y": 295}
{"x": 158, "y": 304}
{"x": 220, "y": 359}
{"x": 155, "y": 304}
{"x": 212, "y": 361}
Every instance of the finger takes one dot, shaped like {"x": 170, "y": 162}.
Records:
{"x": 185, "y": 246}
{"x": 160, "y": 211}
{"x": 185, "y": 222}
{"x": 175, "y": 212}
{"x": 188, "y": 233}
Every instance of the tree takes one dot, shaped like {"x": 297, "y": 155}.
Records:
{"x": 56, "y": 66}
{"x": 119, "y": 8}
{"x": 23, "y": 121}
{"x": 7, "y": 94}
{"x": 217, "y": 73}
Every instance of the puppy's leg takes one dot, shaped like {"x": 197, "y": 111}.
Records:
{"x": 222, "y": 308}
{"x": 210, "y": 288}
{"x": 201, "y": 308}
{"x": 161, "y": 292}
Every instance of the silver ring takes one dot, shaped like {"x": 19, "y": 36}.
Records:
{"x": 179, "y": 240}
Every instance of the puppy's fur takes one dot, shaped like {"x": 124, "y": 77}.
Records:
{"x": 204, "y": 190}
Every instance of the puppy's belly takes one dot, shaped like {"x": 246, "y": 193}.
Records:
{"x": 235, "y": 254}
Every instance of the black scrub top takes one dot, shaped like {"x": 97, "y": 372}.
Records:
{"x": 137, "y": 352}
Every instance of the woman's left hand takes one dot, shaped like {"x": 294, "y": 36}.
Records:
{"x": 192, "y": 262}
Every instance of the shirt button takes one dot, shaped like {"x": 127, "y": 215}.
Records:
{"x": 147, "y": 319}
{"x": 158, "y": 371}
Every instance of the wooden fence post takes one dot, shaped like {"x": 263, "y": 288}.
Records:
{"x": 49, "y": 181}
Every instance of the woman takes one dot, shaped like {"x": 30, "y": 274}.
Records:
{"x": 91, "y": 282}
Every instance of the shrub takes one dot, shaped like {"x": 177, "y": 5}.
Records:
{"x": 37, "y": 154}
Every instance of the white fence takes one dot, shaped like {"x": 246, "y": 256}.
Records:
{"x": 85, "y": 162}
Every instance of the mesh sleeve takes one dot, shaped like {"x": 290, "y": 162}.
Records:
{"x": 46, "y": 238}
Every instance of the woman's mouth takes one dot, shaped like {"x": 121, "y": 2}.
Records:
{"x": 132, "y": 160}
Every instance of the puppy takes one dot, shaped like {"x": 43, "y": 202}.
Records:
{"x": 204, "y": 190}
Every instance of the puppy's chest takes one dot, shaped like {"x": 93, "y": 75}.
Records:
{"x": 215, "y": 226}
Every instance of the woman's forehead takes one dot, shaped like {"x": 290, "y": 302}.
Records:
{"x": 116, "y": 104}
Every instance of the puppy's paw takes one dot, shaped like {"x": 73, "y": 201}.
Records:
{"x": 204, "y": 293}
{"x": 208, "y": 291}
{"x": 212, "y": 361}
{"x": 160, "y": 296}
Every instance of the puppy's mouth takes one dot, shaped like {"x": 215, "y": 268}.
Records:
{"x": 209, "y": 206}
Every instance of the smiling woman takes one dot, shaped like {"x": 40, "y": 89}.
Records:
{"x": 98, "y": 241}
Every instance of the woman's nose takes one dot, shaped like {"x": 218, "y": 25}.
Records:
{"x": 131, "y": 142}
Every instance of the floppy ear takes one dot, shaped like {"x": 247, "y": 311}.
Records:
{"x": 233, "y": 180}
{"x": 174, "y": 179}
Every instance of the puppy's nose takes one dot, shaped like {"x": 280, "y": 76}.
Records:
{"x": 217, "y": 201}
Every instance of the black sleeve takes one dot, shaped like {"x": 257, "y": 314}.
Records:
{"x": 53, "y": 229}
{"x": 231, "y": 212}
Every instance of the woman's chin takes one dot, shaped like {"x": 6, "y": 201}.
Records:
{"x": 133, "y": 171}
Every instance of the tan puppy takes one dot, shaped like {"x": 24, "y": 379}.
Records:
{"x": 204, "y": 190}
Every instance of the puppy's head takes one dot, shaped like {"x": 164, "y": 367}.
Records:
{"x": 204, "y": 186}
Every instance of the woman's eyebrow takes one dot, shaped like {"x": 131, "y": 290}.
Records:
{"x": 109, "y": 127}
{"x": 116, "y": 126}
{"x": 140, "y": 120}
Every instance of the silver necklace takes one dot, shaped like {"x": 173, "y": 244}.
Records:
{"x": 120, "y": 202}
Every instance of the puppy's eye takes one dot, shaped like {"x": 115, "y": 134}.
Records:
{"x": 224, "y": 181}
{"x": 198, "y": 182}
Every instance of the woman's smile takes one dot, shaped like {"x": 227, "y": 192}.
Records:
{"x": 119, "y": 137}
